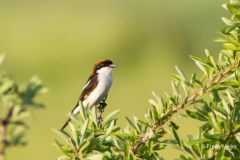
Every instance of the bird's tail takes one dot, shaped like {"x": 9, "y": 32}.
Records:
{"x": 69, "y": 119}
{"x": 72, "y": 112}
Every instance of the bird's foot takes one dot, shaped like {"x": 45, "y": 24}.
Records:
{"x": 101, "y": 106}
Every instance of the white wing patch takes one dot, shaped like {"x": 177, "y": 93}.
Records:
{"x": 86, "y": 85}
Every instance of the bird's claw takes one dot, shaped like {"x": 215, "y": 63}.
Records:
{"x": 103, "y": 104}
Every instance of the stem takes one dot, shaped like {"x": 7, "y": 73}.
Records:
{"x": 192, "y": 98}
{"x": 3, "y": 139}
{"x": 3, "y": 134}
{"x": 101, "y": 108}
{"x": 180, "y": 106}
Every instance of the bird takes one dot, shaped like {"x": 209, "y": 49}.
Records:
{"x": 96, "y": 87}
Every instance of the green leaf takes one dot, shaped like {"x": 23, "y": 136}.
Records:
{"x": 74, "y": 118}
{"x": 176, "y": 127}
{"x": 212, "y": 121}
{"x": 202, "y": 67}
{"x": 95, "y": 157}
{"x": 81, "y": 110}
{"x": 237, "y": 76}
{"x": 228, "y": 21}
{"x": 184, "y": 88}
{"x": 229, "y": 29}
{"x": 195, "y": 81}
{"x": 227, "y": 53}
{"x": 225, "y": 106}
{"x": 236, "y": 113}
{"x": 94, "y": 115}
{"x": 173, "y": 101}
{"x": 176, "y": 77}
{"x": 111, "y": 115}
{"x": 203, "y": 78}
{"x": 84, "y": 146}
{"x": 213, "y": 136}
{"x": 137, "y": 125}
{"x": 196, "y": 115}
{"x": 182, "y": 157}
{"x": 237, "y": 136}
{"x": 219, "y": 109}
{"x": 144, "y": 123}
{"x": 208, "y": 153}
{"x": 207, "y": 52}
{"x": 116, "y": 143}
{"x": 175, "y": 147}
{"x": 210, "y": 58}
{"x": 201, "y": 60}
{"x": 84, "y": 129}
{"x": 110, "y": 128}
{"x": 130, "y": 123}
{"x": 75, "y": 134}
{"x": 187, "y": 148}
{"x": 230, "y": 98}
{"x": 156, "y": 96}
{"x": 158, "y": 146}
{"x": 230, "y": 83}
{"x": 2, "y": 58}
{"x": 152, "y": 102}
{"x": 176, "y": 136}
{"x": 201, "y": 140}
{"x": 127, "y": 150}
{"x": 230, "y": 46}
{"x": 63, "y": 135}
{"x": 182, "y": 75}
{"x": 5, "y": 86}
{"x": 209, "y": 72}
{"x": 150, "y": 147}
{"x": 232, "y": 8}
{"x": 196, "y": 149}
{"x": 15, "y": 112}
{"x": 223, "y": 40}
{"x": 215, "y": 96}
{"x": 175, "y": 89}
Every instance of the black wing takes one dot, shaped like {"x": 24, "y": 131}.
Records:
{"x": 92, "y": 84}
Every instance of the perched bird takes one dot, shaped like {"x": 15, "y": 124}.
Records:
{"x": 97, "y": 86}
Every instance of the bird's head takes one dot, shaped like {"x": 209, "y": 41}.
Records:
{"x": 103, "y": 66}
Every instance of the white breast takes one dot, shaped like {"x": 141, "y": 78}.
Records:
{"x": 100, "y": 92}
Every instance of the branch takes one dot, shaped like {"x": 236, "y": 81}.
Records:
{"x": 197, "y": 94}
{"x": 181, "y": 106}
{"x": 3, "y": 125}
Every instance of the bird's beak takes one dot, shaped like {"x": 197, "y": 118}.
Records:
{"x": 113, "y": 66}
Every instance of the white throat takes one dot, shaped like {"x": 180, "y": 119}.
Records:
{"x": 105, "y": 71}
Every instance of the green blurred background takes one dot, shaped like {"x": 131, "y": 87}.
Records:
{"x": 61, "y": 40}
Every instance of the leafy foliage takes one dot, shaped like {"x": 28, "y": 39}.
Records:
{"x": 15, "y": 104}
{"x": 217, "y": 138}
